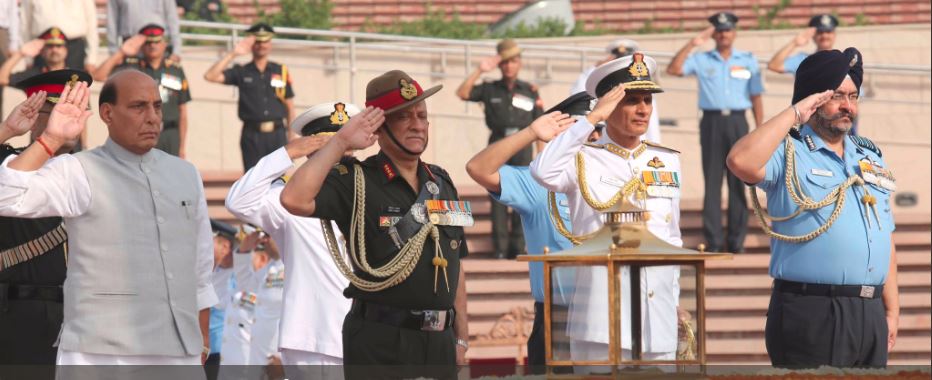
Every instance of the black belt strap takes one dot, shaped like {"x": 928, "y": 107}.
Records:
{"x": 723, "y": 112}
{"x": 394, "y": 316}
{"x": 826, "y": 290}
{"x": 51, "y": 293}
{"x": 408, "y": 226}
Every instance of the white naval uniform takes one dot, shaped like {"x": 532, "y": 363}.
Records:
{"x": 121, "y": 208}
{"x": 313, "y": 305}
{"x": 240, "y": 313}
{"x": 606, "y": 173}
{"x": 653, "y": 124}
{"x": 268, "y": 313}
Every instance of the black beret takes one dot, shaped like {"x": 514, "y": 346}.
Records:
{"x": 223, "y": 229}
{"x": 723, "y": 20}
{"x": 825, "y": 70}
{"x": 824, "y": 22}
{"x": 578, "y": 104}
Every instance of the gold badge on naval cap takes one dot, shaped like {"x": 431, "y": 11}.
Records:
{"x": 339, "y": 115}
{"x": 408, "y": 91}
{"x": 638, "y": 69}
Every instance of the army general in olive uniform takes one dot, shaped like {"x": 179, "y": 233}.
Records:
{"x": 173, "y": 84}
{"x": 265, "y": 94}
{"x": 405, "y": 226}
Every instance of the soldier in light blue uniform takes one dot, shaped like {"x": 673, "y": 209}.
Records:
{"x": 514, "y": 187}
{"x": 821, "y": 31}
{"x": 729, "y": 84}
{"x": 834, "y": 299}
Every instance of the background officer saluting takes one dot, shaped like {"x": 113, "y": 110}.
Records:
{"x": 265, "y": 94}
{"x": 407, "y": 288}
{"x": 821, "y": 31}
{"x": 173, "y": 84}
{"x": 729, "y": 84}
{"x": 32, "y": 251}
{"x": 834, "y": 299}
{"x": 510, "y": 105}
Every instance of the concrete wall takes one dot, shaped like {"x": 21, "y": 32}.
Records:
{"x": 897, "y": 116}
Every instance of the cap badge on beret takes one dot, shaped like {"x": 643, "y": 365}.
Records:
{"x": 339, "y": 115}
{"x": 638, "y": 68}
{"x": 722, "y": 18}
{"x": 408, "y": 91}
{"x": 826, "y": 21}
{"x": 73, "y": 81}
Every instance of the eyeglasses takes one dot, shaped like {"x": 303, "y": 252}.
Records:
{"x": 852, "y": 97}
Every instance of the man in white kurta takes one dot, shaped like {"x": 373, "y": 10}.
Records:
{"x": 138, "y": 287}
{"x": 314, "y": 305}
{"x": 607, "y": 168}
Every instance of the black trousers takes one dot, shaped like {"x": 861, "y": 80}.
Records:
{"x": 170, "y": 139}
{"x": 805, "y": 331}
{"x": 717, "y": 134}
{"x": 507, "y": 235}
{"x": 377, "y": 350}
{"x": 256, "y": 144}
{"x": 76, "y": 54}
{"x": 28, "y": 329}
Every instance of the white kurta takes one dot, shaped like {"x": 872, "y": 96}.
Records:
{"x": 61, "y": 188}
{"x": 314, "y": 305}
{"x": 606, "y": 173}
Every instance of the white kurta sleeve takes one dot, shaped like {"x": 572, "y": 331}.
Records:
{"x": 555, "y": 167}
{"x": 206, "y": 297}
{"x": 252, "y": 198}
{"x": 58, "y": 188}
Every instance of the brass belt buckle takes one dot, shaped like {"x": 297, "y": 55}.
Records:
{"x": 434, "y": 320}
{"x": 266, "y": 126}
{"x": 726, "y": 112}
{"x": 867, "y": 292}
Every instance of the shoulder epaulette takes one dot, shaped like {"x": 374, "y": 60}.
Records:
{"x": 656, "y": 145}
{"x": 594, "y": 145}
{"x": 282, "y": 179}
{"x": 794, "y": 133}
{"x": 341, "y": 168}
{"x": 866, "y": 143}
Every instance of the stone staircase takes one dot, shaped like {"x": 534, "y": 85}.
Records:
{"x": 501, "y": 307}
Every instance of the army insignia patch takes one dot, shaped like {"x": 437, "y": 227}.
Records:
{"x": 339, "y": 115}
{"x": 341, "y": 169}
{"x": 73, "y": 81}
{"x": 432, "y": 187}
{"x": 408, "y": 91}
{"x": 388, "y": 221}
{"x": 638, "y": 68}
{"x": 655, "y": 163}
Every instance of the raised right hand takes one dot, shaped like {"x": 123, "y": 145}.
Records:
{"x": 606, "y": 105}
{"x": 132, "y": 46}
{"x": 244, "y": 46}
{"x": 32, "y": 48}
{"x": 359, "y": 132}
{"x": 548, "y": 126}
{"x": 24, "y": 116}
{"x": 69, "y": 117}
{"x": 811, "y": 103}
{"x": 803, "y": 37}
{"x": 489, "y": 63}
{"x": 703, "y": 36}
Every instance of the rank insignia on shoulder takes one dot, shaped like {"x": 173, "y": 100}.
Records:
{"x": 656, "y": 145}
{"x": 809, "y": 143}
{"x": 866, "y": 143}
{"x": 594, "y": 145}
{"x": 340, "y": 168}
{"x": 655, "y": 163}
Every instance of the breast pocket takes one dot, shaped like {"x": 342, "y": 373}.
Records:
{"x": 453, "y": 241}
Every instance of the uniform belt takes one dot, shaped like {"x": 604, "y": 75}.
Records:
{"x": 424, "y": 320}
{"x": 264, "y": 126}
{"x": 724, "y": 112}
{"x": 825, "y": 290}
{"x": 50, "y": 293}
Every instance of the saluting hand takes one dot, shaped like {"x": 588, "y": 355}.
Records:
{"x": 811, "y": 103}
{"x": 359, "y": 132}
{"x": 32, "y": 48}
{"x": 132, "y": 45}
{"x": 548, "y": 126}
{"x": 24, "y": 116}
{"x": 489, "y": 63}
{"x": 606, "y": 105}
{"x": 244, "y": 46}
{"x": 304, "y": 146}
{"x": 803, "y": 37}
{"x": 69, "y": 117}
{"x": 703, "y": 36}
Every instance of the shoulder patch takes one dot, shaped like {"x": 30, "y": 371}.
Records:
{"x": 341, "y": 168}
{"x": 656, "y": 145}
{"x": 594, "y": 145}
{"x": 866, "y": 143}
{"x": 794, "y": 133}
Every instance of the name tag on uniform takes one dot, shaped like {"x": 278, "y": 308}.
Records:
{"x": 171, "y": 82}
{"x": 449, "y": 213}
{"x": 614, "y": 181}
{"x": 740, "y": 72}
{"x": 661, "y": 184}
{"x": 823, "y": 173}
{"x": 522, "y": 102}
{"x": 277, "y": 81}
